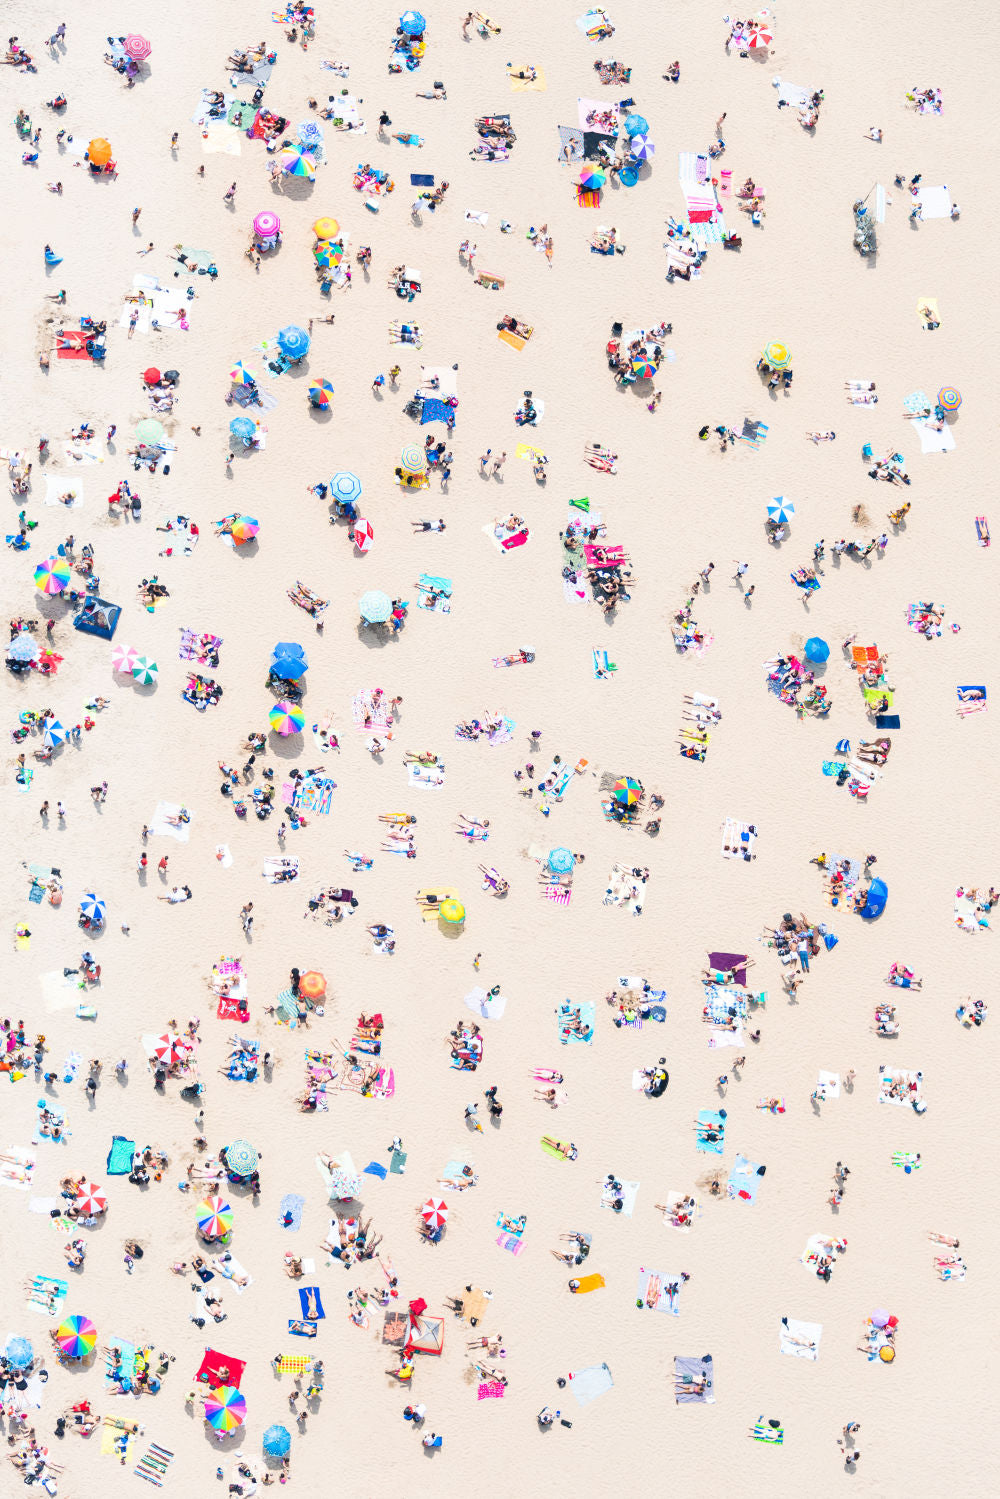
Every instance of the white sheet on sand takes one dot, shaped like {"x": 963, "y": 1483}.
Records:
{"x": 17, "y": 1173}
{"x": 142, "y": 322}
{"x": 490, "y": 1007}
{"x": 78, "y": 144}
{"x": 159, "y": 824}
{"x": 628, "y": 1195}
{"x": 58, "y": 991}
{"x": 430, "y": 777}
{"x": 280, "y": 871}
{"x": 476, "y": 216}
{"x": 57, "y": 484}
{"x": 810, "y": 1333}
{"x": 829, "y": 1083}
{"x": 792, "y": 93}
{"x": 596, "y": 106}
{"x": 223, "y": 855}
{"x": 935, "y": 202}
{"x": 447, "y": 380}
{"x": 933, "y": 441}
{"x": 84, "y": 452}
{"x": 228, "y": 1267}
{"x": 218, "y": 137}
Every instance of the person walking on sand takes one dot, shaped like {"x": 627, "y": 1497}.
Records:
{"x": 230, "y": 195}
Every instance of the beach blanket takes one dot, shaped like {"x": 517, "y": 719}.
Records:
{"x": 525, "y": 85}
{"x": 587, "y": 1384}
{"x": 744, "y": 1180}
{"x": 571, "y": 143}
{"x": 714, "y": 1122}
{"x": 793, "y": 94}
{"x": 280, "y": 871}
{"x": 311, "y": 1304}
{"x": 60, "y": 484}
{"x": 158, "y": 822}
{"x": 799, "y": 1339}
{"x": 47, "y": 1295}
{"x": 230, "y": 1269}
{"x": 70, "y": 344}
{"x": 219, "y": 1369}
{"x": 120, "y": 1156}
{"x": 568, "y": 1013}
{"x": 656, "y": 1291}
{"x": 153, "y": 1464}
{"x": 694, "y": 1380}
{"x": 592, "y": 23}
{"x": 126, "y": 1363}
{"x": 738, "y": 839}
{"x": 932, "y": 439}
{"x": 435, "y": 410}
{"x": 18, "y": 1172}
{"x": 771, "y": 1432}
{"x": 119, "y": 1437}
{"x": 629, "y": 1191}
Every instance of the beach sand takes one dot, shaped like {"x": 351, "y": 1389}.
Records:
{"x": 675, "y": 503}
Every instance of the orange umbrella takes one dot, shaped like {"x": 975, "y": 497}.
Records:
{"x": 312, "y": 985}
{"x": 99, "y": 151}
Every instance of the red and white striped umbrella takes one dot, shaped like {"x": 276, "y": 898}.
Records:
{"x": 168, "y": 1049}
{"x": 435, "y": 1212}
{"x": 760, "y": 40}
{"x": 363, "y": 535}
{"x": 90, "y": 1198}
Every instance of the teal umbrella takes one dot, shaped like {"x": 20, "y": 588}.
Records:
{"x": 375, "y": 607}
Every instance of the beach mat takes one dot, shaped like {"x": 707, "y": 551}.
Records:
{"x": 513, "y": 339}
{"x": 398, "y": 1163}
{"x": 71, "y": 345}
{"x": 120, "y": 1156}
{"x": 887, "y": 720}
{"x": 311, "y": 1304}
{"x": 587, "y": 1384}
{"x": 421, "y": 179}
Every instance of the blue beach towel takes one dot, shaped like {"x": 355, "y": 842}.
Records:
{"x": 120, "y": 1156}
{"x": 311, "y": 1304}
{"x": 421, "y": 179}
{"x": 887, "y": 720}
{"x": 375, "y": 1169}
{"x": 434, "y": 410}
{"x": 717, "y": 1122}
{"x": 292, "y": 1203}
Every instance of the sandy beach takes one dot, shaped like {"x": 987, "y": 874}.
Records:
{"x": 609, "y": 694}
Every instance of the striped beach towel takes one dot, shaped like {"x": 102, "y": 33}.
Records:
{"x": 153, "y": 1464}
{"x": 587, "y": 199}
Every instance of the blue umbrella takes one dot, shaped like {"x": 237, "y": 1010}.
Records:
{"x": 636, "y": 125}
{"x": 345, "y": 487}
{"x": 288, "y": 648}
{"x": 781, "y": 510}
{"x": 19, "y": 1353}
{"x": 878, "y": 894}
{"x": 293, "y": 342}
{"x": 817, "y": 650}
{"x": 289, "y": 668}
{"x": 242, "y": 427}
{"x": 54, "y": 734}
{"x": 843, "y": 747}
{"x": 24, "y": 648}
{"x": 93, "y": 908}
{"x": 310, "y": 134}
{"x": 276, "y": 1441}
{"x": 413, "y": 23}
{"x": 241, "y": 1158}
{"x": 561, "y": 860}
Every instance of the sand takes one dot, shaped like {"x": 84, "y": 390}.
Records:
{"x": 675, "y": 503}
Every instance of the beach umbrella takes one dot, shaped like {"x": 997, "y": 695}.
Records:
{"x": 626, "y": 791}
{"x": 215, "y": 1218}
{"x": 123, "y": 658}
{"x": 293, "y": 341}
{"x": 760, "y": 40}
{"x": 243, "y": 427}
{"x": 413, "y": 23}
{"x": 312, "y": 985}
{"x": 77, "y": 1336}
{"x": 321, "y": 394}
{"x": 310, "y": 134}
{"x": 285, "y": 718}
{"x": 266, "y": 223}
{"x": 636, "y": 125}
{"x": 137, "y": 47}
{"x": 843, "y": 747}
{"x": 777, "y": 356}
{"x": 561, "y": 860}
{"x": 225, "y": 1408}
{"x": 52, "y": 575}
{"x": 152, "y": 376}
{"x": 375, "y": 607}
{"x": 592, "y": 179}
{"x": 54, "y": 734}
{"x": 878, "y": 894}
{"x": 413, "y": 459}
{"x": 99, "y": 151}
{"x": 326, "y": 228}
{"x": 295, "y": 164}
{"x": 145, "y": 671}
{"x": 363, "y": 535}
{"x": 241, "y": 1158}
{"x": 24, "y": 648}
{"x": 289, "y": 668}
{"x": 780, "y": 510}
{"x": 879, "y": 1317}
{"x": 245, "y": 528}
{"x": 90, "y": 1198}
{"x": 19, "y": 1353}
{"x": 452, "y": 911}
{"x": 168, "y": 1049}
{"x": 435, "y": 1212}
{"x": 949, "y": 399}
{"x": 93, "y": 907}
{"x": 817, "y": 650}
{"x": 328, "y": 253}
{"x": 288, "y": 648}
{"x": 641, "y": 148}
{"x": 240, "y": 375}
{"x": 645, "y": 369}
{"x": 345, "y": 487}
{"x": 149, "y": 431}
{"x": 276, "y": 1441}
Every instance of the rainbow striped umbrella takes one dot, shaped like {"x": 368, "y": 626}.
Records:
{"x": 52, "y": 575}
{"x": 329, "y": 252}
{"x": 592, "y": 179}
{"x": 286, "y": 718}
{"x": 294, "y": 164}
{"x": 225, "y": 1408}
{"x": 626, "y": 791}
{"x": 240, "y": 375}
{"x": 321, "y": 394}
{"x": 215, "y": 1218}
{"x": 244, "y": 529}
{"x": 77, "y": 1336}
{"x": 413, "y": 459}
{"x": 949, "y": 399}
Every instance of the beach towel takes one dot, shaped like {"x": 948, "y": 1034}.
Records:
{"x": 571, "y": 143}
{"x": 589, "y": 1283}
{"x": 421, "y": 179}
{"x": 694, "y": 1380}
{"x": 526, "y": 85}
{"x": 738, "y": 839}
{"x": 771, "y": 1432}
{"x": 933, "y": 439}
{"x": 516, "y": 342}
{"x": 57, "y": 484}
{"x": 744, "y": 1180}
{"x": 588, "y": 199}
{"x": 120, "y": 1156}
{"x": 587, "y": 1384}
{"x": 70, "y": 344}
{"x": 17, "y": 1173}
{"x": 714, "y": 1121}
{"x": 47, "y": 1295}
{"x": 158, "y": 822}
{"x": 153, "y": 1464}
{"x": 230, "y": 1269}
{"x": 928, "y": 310}
{"x": 375, "y": 1168}
{"x": 656, "y": 1291}
{"x": 799, "y": 1339}
{"x": 397, "y": 1164}
{"x": 793, "y": 94}
{"x": 299, "y": 1329}
{"x": 628, "y": 1194}
{"x": 435, "y": 410}
{"x": 592, "y": 23}
{"x": 829, "y": 1084}
{"x": 220, "y": 1369}
{"x": 568, "y": 1013}
{"x": 229, "y": 1009}
{"x": 126, "y": 1365}
{"x": 311, "y": 1303}
{"x": 119, "y": 1438}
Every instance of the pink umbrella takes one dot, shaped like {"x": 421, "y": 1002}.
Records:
{"x": 363, "y": 535}
{"x": 879, "y": 1317}
{"x": 435, "y": 1212}
{"x": 266, "y": 224}
{"x": 123, "y": 658}
{"x": 137, "y": 47}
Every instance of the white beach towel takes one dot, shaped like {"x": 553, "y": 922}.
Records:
{"x": 933, "y": 441}
{"x": 811, "y": 1333}
{"x": 935, "y": 202}
{"x": 830, "y": 1084}
{"x": 57, "y": 484}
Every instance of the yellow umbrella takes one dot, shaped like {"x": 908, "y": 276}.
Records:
{"x": 777, "y": 356}
{"x": 452, "y": 911}
{"x": 326, "y": 228}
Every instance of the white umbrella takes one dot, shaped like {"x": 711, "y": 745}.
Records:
{"x": 123, "y": 657}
